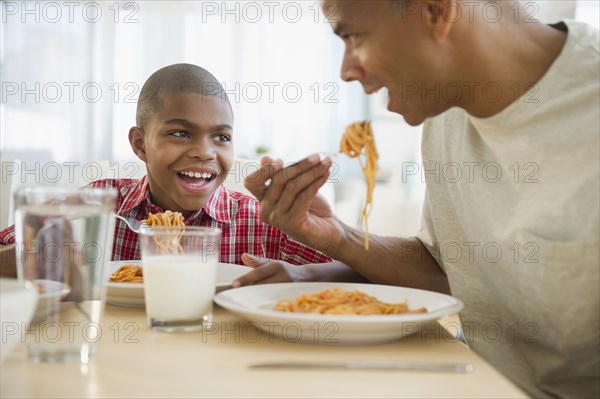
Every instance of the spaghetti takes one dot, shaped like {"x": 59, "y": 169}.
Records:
{"x": 167, "y": 243}
{"x": 127, "y": 274}
{"x": 340, "y": 302}
{"x": 166, "y": 218}
{"x": 358, "y": 140}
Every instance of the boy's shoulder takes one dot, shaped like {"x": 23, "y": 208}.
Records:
{"x": 240, "y": 198}
{"x": 238, "y": 204}
{"x": 123, "y": 186}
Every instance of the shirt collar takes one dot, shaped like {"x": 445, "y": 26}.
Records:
{"x": 218, "y": 206}
{"x": 137, "y": 195}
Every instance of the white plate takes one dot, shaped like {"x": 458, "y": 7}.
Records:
{"x": 124, "y": 294}
{"x": 256, "y": 303}
{"x": 227, "y": 272}
{"x": 132, "y": 294}
{"x": 17, "y": 305}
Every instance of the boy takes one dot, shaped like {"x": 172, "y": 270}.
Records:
{"x": 184, "y": 134}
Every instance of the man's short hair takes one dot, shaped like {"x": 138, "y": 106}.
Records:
{"x": 175, "y": 79}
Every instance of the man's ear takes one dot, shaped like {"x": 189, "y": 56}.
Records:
{"x": 138, "y": 143}
{"x": 440, "y": 15}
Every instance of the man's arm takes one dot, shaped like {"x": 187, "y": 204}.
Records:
{"x": 290, "y": 201}
{"x": 393, "y": 261}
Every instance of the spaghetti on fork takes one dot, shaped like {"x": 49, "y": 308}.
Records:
{"x": 167, "y": 244}
{"x": 357, "y": 141}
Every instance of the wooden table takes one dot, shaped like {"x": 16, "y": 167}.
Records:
{"x": 133, "y": 361}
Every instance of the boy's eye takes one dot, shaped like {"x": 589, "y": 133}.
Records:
{"x": 179, "y": 133}
{"x": 223, "y": 137}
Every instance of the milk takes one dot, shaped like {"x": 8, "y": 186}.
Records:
{"x": 179, "y": 287}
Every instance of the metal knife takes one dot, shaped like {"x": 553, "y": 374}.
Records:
{"x": 435, "y": 367}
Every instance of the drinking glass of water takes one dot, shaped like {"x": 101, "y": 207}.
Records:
{"x": 63, "y": 245}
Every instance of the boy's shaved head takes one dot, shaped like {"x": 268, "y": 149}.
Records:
{"x": 174, "y": 79}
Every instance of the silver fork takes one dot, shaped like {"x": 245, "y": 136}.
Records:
{"x": 330, "y": 154}
{"x": 133, "y": 224}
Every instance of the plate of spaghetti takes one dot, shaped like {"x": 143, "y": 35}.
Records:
{"x": 337, "y": 313}
{"x": 125, "y": 285}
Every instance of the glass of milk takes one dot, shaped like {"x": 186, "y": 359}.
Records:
{"x": 180, "y": 269}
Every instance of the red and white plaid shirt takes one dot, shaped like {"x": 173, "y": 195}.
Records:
{"x": 236, "y": 214}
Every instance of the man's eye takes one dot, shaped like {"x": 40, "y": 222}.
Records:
{"x": 179, "y": 133}
{"x": 352, "y": 39}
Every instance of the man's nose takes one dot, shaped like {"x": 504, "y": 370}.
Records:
{"x": 351, "y": 68}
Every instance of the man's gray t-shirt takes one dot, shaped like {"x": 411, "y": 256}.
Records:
{"x": 512, "y": 216}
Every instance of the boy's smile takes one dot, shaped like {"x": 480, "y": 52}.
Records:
{"x": 188, "y": 150}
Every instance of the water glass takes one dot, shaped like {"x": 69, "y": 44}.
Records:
{"x": 63, "y": 244}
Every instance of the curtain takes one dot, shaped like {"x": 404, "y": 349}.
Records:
{"x": 71, "y": 75}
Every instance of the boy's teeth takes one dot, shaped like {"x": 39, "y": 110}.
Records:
{"x": 197, "y": 175}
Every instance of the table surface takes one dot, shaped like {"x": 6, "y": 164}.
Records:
{"x": 133, "y": 361}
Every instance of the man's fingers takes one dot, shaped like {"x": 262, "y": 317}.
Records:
{"x": 257, "y": 275}
{"x": 305, "y": 198}
{"x": 286, "y": 185}
{"x": 258, "y": 182}
{"x": 292, "y": 171}
{"x": 253, "y": 260}
{"x": 278, "y": 188}
{"x": 300, "y": 193}
{"x": 265, "y": 160}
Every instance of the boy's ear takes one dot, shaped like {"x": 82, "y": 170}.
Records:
{"x": 137, "y": 142}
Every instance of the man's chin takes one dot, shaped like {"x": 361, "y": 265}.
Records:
{"x": 412, "y": 121}
{"x": 410, "y": 118}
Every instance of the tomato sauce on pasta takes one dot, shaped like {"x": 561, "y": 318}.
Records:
{"x": 358, "y": 140}
{"x": 338, "y": 301}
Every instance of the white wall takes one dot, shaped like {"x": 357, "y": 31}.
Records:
{"x": 119, "y": 51}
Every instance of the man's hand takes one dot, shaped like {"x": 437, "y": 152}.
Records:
{"x": 290, "y": 201}
{"x": 276, "y": 271}
{"x": 268, "y": 271}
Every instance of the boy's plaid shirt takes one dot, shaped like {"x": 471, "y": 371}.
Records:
{"x": 236, "y": 214}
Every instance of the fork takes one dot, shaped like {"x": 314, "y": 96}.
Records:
{"x": 133, "y": 224}
{"x": 330, "y": 154}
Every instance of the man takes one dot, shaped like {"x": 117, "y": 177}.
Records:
{"x": 511, "y": 107}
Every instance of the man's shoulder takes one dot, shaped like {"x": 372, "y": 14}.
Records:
{"x": 587, "y": 37}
